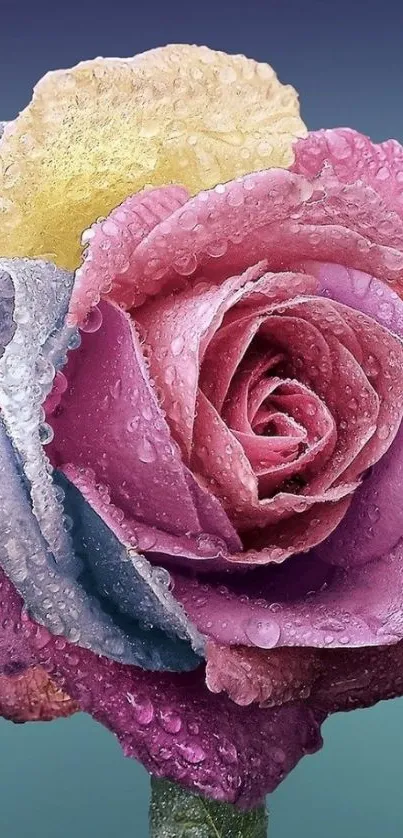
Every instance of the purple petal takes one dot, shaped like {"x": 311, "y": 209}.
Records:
{"x": 301, "y": 603}
{"x": 374, "y": 522}
{"x": 171, "y": 723}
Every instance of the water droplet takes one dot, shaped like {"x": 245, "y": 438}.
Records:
{"x": 93, "y": 321}
{"x": 143, "y": 709}
{"x": 147, "y": 412}
{"x": 146, "y": 540}
{"x": 45, "y": 433}
{"x": 115, "y": 389}
{"x": 146, "y": 451}
{"x": 210, "y": 545}
{"x": 373, "y": 513}
{"x": 277, "y": 755}
{"x": 170, "y": 721}
{"x": 263, "y": 633}
{"x": 162, "y": 577}
{"x": 227, "y": 752}
{"x": 133, "y": 424}
{"x": 177, "y": 345}
{"x": 192, "y": 752}
{"x": 74, "y": 340}
{"x": 384, "y": 431}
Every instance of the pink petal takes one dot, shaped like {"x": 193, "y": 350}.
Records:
{"x": 109, "y": 420}
{"x": 232, "y": 339}
{"x": 265, "y": 216}
{"x": 345, "y": 154}
{"x": 208, "y": 549}
{"x": 112, "y": 243}
{"x": 268, "y": 678}
{"x": 176, "y": 330}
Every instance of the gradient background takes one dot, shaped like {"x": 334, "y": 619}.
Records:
{"x": 69, "y": 779}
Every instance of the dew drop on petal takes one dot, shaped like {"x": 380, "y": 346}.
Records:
{"x": 263, "y": 633}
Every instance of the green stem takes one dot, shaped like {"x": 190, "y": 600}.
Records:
{"x": 176, "y": 813}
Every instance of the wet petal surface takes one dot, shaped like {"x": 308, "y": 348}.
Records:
{"x": 172, "y": 724}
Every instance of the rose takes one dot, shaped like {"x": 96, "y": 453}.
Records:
{"x": 244, "y": 416}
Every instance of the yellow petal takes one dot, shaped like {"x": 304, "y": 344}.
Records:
{"x": 97, "y": 133}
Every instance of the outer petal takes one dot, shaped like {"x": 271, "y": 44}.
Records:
{"x": 345, "y": 154}
{"x": 374, "y": 521}
{"x": 264, "y": 216}
{"x": 37, "y": 347}
{"x": 105, "y": 129}
{"x": 35, "y": 548}
{"x": 303, "y": 602}
{"x": 358, "y": 677}
{"x": 172, "y": 724}
{"x": 269, "y": 678}
{"x": 120, "y": 432}
{"x": 62, "y": 601}
{"x": 133, "y": 588}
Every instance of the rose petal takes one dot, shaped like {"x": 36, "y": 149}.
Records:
{"x": 264, "y": 216}
{"x": 207, "y": 549}
{"x": 359, "y": 291}
{"x": 115, "y": 572}
{"x": 109, "y": 419}
{"x": 236, "y": 484}
{"x": 176, "y": 330}
{"x": 373, "y": 524}
{"x": 302, "y": 602}
{"x": 171, "y": 723}
{"x": 120, "y": 432}
{"x": 36, "y": 550}
{"x": 358, "y": 677}
{"x": 60, "y": 601}
{"x": 233, "y": 338}
{"x": 112, "y": 243}
{"x": 31, "y": 696}
{"x": 27, "y": 368}
{"x": 345, "y": 154}
{"x": 103, "y": 130}
{"x": 257, "y": 676}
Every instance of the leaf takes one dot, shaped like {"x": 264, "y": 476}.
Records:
{"x": 177, "y": 813}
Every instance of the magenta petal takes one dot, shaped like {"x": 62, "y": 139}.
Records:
{"x": 172, "y": 724}
{"x": 303, "y": 602}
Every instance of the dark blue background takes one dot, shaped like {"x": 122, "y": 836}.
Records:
{"x": 69, "y": 778}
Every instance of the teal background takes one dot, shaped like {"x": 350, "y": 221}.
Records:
{"x": 69, "y": 779}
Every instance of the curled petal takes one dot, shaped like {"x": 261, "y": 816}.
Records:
{"x": 346, "y": 155}
{"x": 303, "y": 602}
{"x": 119, "y": 431}
{"x": 31, "y": 696}
{"x": 269, "y": 678}
{"x": 264, "y": 216}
